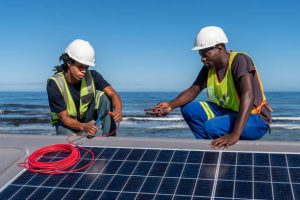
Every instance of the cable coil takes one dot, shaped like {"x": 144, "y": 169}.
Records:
{"x": 34, "y": 164}
{"x": 64, "y": 165}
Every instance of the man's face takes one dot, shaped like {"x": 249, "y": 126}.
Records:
{"x": 78, "y": 70}
{"x": 209, "y": 56}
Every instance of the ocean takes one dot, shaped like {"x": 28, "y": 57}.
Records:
{"x": 28, "y": 113}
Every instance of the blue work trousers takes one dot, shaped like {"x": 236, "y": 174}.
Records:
{"x": 207, "y": 120}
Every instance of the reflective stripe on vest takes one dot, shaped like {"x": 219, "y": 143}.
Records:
{"x": 87, "y": 94}
{"x": 224, "y": 93}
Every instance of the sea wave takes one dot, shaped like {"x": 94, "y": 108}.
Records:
{"x": 23, "y": 112}
{"x": 24, "y": 120}
{"x": 286, "y": 126}
{"x": 171, "y": 126}
{"x": 180, "y": 118}
{"x": 174, "y": 118}
{"x": 172, "y": 121}
{"x": 286, "y": 118}
{"x": 16, "y": 105}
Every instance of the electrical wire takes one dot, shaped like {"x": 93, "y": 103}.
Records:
{"x": 64, "y": 165}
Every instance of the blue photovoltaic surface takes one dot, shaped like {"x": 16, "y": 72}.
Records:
{"x": 130, "y": 173}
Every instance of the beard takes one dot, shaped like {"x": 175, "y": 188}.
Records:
{"x": 207, "y": 65}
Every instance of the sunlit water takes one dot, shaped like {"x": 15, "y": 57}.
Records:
{"x": 28, "y": 113}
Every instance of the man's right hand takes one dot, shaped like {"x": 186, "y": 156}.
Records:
{"x": 163, "y": 108}
{"x": 90, "y": 128}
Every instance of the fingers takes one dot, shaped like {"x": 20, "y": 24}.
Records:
{"x": 221, "y": 142}
{"x": 161, "y": 109}
{"x": 90, "y": 127}
{"x": 152, "y": 113}
{"x": 156, "y": 111}
{"x": 117, "y": 116}
{"x": 159, "y": 105}
{"x": 226, "y": 146}
{"x": 218, "y": 143}
{"x": 159, "y": 112}
{"x": 162, "y": 105}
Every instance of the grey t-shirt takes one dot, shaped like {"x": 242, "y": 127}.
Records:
{"x": 241, "y": 65}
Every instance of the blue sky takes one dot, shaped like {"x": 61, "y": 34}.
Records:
{"x": 145, "y": 45}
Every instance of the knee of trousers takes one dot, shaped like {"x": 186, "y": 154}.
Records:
{"x": 102, "y": 100}
{"x": 186, "y": 110}
{"x": 211, "y": 129}
{"x": 193, "y": 110}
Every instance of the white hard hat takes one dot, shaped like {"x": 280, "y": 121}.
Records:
{"x": 209, "y": 36}
{"x": 81, "y": 51}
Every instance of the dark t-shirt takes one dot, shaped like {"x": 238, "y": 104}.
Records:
{"x": 56, "y": 100}
{"x": 241, "y": 65}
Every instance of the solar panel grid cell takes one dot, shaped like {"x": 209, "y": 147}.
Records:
{"x": 32, "y": 184}
{"x": 129, "y": 173}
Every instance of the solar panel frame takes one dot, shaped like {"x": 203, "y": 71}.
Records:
{"x": 220, "y": 175}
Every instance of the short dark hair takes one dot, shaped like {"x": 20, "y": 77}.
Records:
{"x": 65, "y": 58}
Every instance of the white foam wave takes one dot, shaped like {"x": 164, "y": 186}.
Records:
{"x": 174, "y": 126}
{"x": 180, "y": 118}
{"x": 153, "y": 118}
{"x": 286, "y": 126}
{"x": 287, "y": 118}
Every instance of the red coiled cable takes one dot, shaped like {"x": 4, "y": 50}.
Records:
{"x": 62, "y": 166}
{"x": 33, "y": 164}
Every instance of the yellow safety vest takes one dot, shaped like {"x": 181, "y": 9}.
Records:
{"x": 87, "y": 95}
{"x": 224, "y": 93}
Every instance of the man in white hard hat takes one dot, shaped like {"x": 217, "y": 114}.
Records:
{"x": 237, "y": 107}
{"x": 77, "y": 95}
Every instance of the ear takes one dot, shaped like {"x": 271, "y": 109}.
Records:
{"x": 221, "y": 49}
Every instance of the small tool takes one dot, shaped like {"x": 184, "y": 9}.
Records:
{"x": 98, "y": 122}
{"x": 155, "y": 111}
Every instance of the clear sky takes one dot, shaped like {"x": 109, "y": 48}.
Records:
{"x": 145, "y": 45}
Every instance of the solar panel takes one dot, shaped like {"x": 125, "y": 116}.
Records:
{"x": 135, "y": 173}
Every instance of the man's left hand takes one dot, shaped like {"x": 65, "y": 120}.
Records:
{"x": 225, "y": 141}
{"x": 117, "y": 115}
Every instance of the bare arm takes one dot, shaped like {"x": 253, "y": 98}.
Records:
{"x": 186, "y": 96}
{"x": 246, "y": 105}
{"x": 163, "y": 108}
{"x": 116, "y": 102}
{"x": 76, "y": 125}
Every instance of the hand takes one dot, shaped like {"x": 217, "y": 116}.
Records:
{"x": 90, "y": 128}
{"x": 117, "y": 115}
{"x": 163, "y": 108}
{"x": 225, "y": 141}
